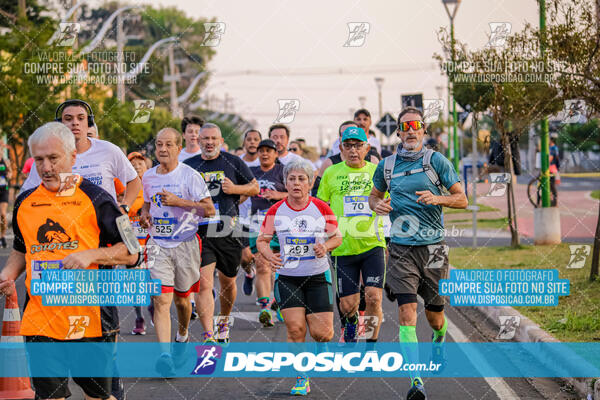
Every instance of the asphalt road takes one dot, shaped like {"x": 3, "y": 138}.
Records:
{"x": 465, "y": 325}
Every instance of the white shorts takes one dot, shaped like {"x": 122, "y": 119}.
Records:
{"x": 177, "y": 268}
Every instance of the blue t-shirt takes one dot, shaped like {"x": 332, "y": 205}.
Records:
{"x": 415, "y": 223}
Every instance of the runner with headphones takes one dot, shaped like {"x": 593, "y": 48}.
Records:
{"x": 98, "y": 161}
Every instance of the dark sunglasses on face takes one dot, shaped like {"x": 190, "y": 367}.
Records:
{"x": 405, "y": 126}
{"x": 356, "y": 146}
{"x": 293, "y": 149}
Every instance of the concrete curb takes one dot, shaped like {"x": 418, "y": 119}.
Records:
{"x": 529, "y": 331}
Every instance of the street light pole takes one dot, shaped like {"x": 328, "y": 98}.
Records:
{"x": 173, "y": 91}
{"x": 362, "y": 100}
{"x": 451, "y": 15}
{"x": 120, "y": 64}
{"x": 379, "y": 83}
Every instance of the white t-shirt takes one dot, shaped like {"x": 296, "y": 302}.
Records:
{"x": 244, "y": 207}
{"x": 298, "y": 231}
{"x": 335, "y": 148}
{"x": 173, "y": 225}
{"x": 101, "y": 164}
{"x": 289, "y": 157}
{"x": 184, "y": 155}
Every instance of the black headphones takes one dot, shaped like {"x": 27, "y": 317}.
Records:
{"x": 74, "y": 102}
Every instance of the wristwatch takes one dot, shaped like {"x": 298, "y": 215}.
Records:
{"x": 125, "y": 208}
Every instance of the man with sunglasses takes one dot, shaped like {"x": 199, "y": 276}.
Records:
{"x": 346, "y": 186}
{"x": 415, "y": 208}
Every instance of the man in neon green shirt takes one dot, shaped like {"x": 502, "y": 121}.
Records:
{"x": 346, "y": 186}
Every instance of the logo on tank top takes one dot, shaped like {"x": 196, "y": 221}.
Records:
{"x": 299, "y": 224}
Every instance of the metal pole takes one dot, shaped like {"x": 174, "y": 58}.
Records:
{"x": 454, "y": 118}
{"x": 174, "y": 103}
{"x": 474, "y": 158}
{"x": 545, "y": 145}
{"x": 380, "y": 103}
{"x": 120, "y": 63}
{"x": 448, "y": 134}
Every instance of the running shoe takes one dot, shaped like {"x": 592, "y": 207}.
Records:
{"x": 194, "y": 313}
{"x": 438, "y": 351}
{"x": 416, "y": 391}
{"x": 179, "y": 350}
{"x": 223, "y": 332}
{"x": 302, "y": 386}
{"x": 165, "y": 366}
{"x": 342, "y": 336}
{"x": 351, "y": 330}
{"x": 3, "y": 242}
{"x": 265, "y": 318}
{"x": 275, "y": 307}
{"x": 208, "y": 339}
{"x": 140, "y": 327}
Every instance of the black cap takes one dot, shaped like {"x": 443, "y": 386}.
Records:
{"x": 267, "y": 143}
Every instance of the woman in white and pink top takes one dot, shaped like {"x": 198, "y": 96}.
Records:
{"x": 307, "y": 230}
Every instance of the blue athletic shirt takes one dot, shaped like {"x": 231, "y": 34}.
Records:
{"x": 415, "y": 223}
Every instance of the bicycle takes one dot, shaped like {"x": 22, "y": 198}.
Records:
{"x": 538, "y": 191}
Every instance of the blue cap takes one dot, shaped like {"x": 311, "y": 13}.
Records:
{"x": 353, "y": 132}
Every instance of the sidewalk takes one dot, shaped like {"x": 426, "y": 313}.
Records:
{"x": 578, "y": 211}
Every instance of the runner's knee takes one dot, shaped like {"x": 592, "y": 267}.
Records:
{"x": 296, "y": 331}
{"x": 323, "y": 335}
{"x": 349, "y": 304}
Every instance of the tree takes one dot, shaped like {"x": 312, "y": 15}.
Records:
{"x": 36, "y": 77}
{"x": 510, "y": 83}
{"x": 573, "y": 38}
{"x": 26, "y": 101}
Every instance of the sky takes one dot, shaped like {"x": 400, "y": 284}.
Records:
{"x": 272, "y": 50}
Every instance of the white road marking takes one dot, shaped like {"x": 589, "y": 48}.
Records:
{"x": 498, "y": 385}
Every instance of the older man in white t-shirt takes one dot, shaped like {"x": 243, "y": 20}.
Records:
{"x": 175, "y": 199}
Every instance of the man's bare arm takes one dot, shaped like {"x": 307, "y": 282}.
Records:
{"x": 113, "y": 255}
{"x": 15, "y": 266}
